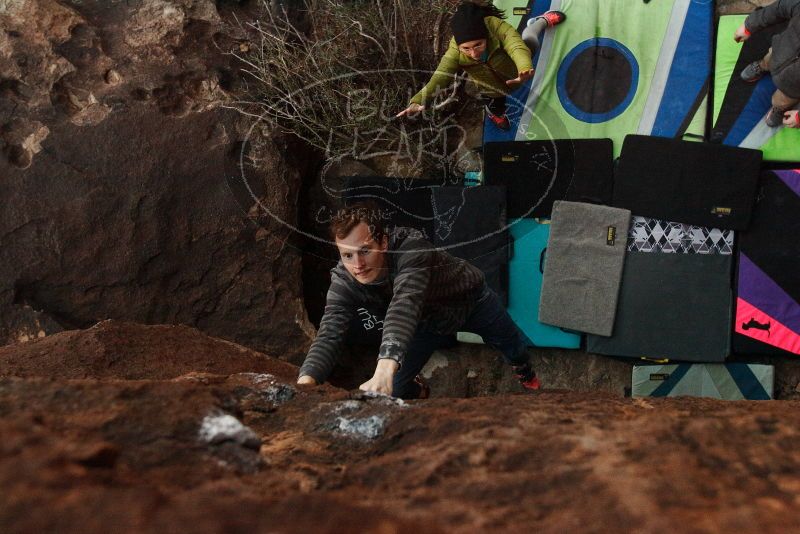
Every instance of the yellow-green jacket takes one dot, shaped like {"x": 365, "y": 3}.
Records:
{"x": 508, "y": 56}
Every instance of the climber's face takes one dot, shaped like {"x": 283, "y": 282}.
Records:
{"x": 361, "y": 255}
{"x": 473, "y": 49}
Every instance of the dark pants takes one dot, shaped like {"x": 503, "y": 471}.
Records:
{"x": 489, "y": 319}
{"x": 496, "y": 105}
{"x": 780, "y": 99}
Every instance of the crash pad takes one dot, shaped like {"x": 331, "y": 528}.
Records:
{"x": 614, "y": 67}
{"x": 768, "y": 271}
{"x": 537, "y": 173}
{"x": 672, "y": 306}
{"x": 724, "y": 381}
{"x": 694, "y": 183}
{"x": 526, "y": 269}
{"x": 583, "y": 267}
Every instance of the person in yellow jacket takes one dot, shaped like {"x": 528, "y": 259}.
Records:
{"x": 492, "y": 53}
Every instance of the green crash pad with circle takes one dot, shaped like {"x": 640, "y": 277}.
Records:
{"x": 614, "y": 67}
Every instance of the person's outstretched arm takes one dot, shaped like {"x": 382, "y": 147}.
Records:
{"x": 515, "y": 47}
{"x": 443, "y": 76}
{"x": 324, "y": 351}
{"x": 759, "y": 19}
{"x": 405, "y": 309}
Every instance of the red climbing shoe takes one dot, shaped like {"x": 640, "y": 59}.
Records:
{"x": 554, "y": 17}
{"x": 533, "y": 383}
{"x": 526, "y": 376}
{"x": 502, "y": 123}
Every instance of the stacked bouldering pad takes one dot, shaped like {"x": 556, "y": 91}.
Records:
{"x": 676, "y": 291}
{"x": 695, "y": 183}
{"x": 672, "y": 306}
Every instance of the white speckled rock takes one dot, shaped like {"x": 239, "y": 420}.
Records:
{"x": 216, "y": 429}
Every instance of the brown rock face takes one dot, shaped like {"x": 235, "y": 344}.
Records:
{"x": 123, "y": 196}
{"x": 246, "y": 450}
{"x": 113, "y": 349}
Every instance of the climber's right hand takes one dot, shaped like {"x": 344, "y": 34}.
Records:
{"x": 411, "y": 110}
{"x": 306, "y": 380}
{"x": 741, "y": 34}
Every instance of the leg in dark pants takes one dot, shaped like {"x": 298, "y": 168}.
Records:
{"x": 495, "y": 105}
{"x": 419, "y": 352}
{"x": 533, "y": 29}
{"x": 491, "y": 321}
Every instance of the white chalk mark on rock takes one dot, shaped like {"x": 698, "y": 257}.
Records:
{"x": 217, "y": 429}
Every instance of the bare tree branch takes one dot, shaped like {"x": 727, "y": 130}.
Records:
{"x": 338, "y": 82}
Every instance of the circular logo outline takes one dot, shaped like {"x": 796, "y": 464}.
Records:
{"x": 518, "y": 97}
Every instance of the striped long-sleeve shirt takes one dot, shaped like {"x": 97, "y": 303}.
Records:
{"x": 425, "y": 289}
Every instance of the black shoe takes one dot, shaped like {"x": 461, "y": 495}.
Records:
{"x": 774, "y": 117}
{"x": 753, "y": 72}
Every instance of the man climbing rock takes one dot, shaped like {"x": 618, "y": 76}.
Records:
{"x": 428, "y": 296}
{"x": 782, "y": 60}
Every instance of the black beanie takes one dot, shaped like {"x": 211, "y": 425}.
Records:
{"x": 467, "y": 23}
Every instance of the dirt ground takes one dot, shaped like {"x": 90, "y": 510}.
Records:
{"x": 216, "y": 438}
